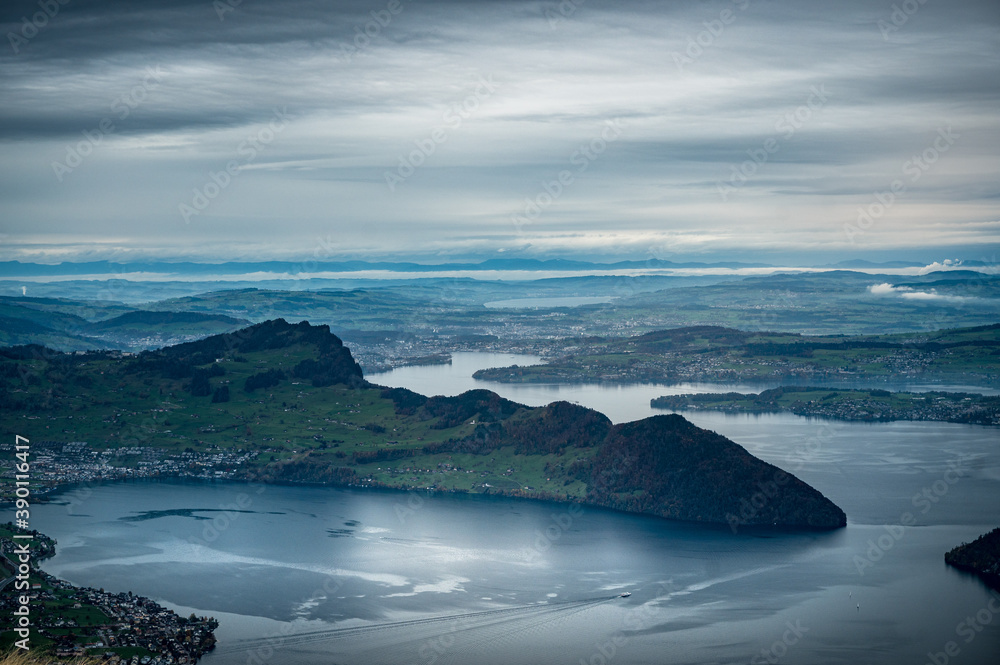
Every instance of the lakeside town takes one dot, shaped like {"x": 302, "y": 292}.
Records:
{"x": 78, "y": 463}
{"x": 119, "y": 628}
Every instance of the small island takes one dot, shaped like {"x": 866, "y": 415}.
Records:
{"x": 981, "y": 556}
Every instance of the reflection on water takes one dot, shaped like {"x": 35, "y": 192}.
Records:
{"x": 497, "y": 580}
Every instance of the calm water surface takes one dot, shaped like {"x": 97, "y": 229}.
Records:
{"x": 320, "y": 575}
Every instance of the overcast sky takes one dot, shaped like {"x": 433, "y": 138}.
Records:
{"x": 676, "y": 129}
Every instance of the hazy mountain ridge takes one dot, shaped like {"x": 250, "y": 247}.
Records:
{"x": 432, "y": 312}
{"x": 30, "y": 269}
{"x": 55, "y": 323}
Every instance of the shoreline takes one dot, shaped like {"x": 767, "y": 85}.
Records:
{"x": 744, "y": 529}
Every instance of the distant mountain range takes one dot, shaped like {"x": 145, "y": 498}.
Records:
{"x": 12, "y": 269}
{"x": 15, "y": 269}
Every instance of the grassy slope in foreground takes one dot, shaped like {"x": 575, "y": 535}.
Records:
{"x": 291, "y": 401}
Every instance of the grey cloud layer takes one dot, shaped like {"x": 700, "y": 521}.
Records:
{"x": 561, "y": 70}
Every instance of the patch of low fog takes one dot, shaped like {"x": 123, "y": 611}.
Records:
{"x": 908, "y": 293}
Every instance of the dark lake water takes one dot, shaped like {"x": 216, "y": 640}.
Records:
{"x": 320, "y": 575}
